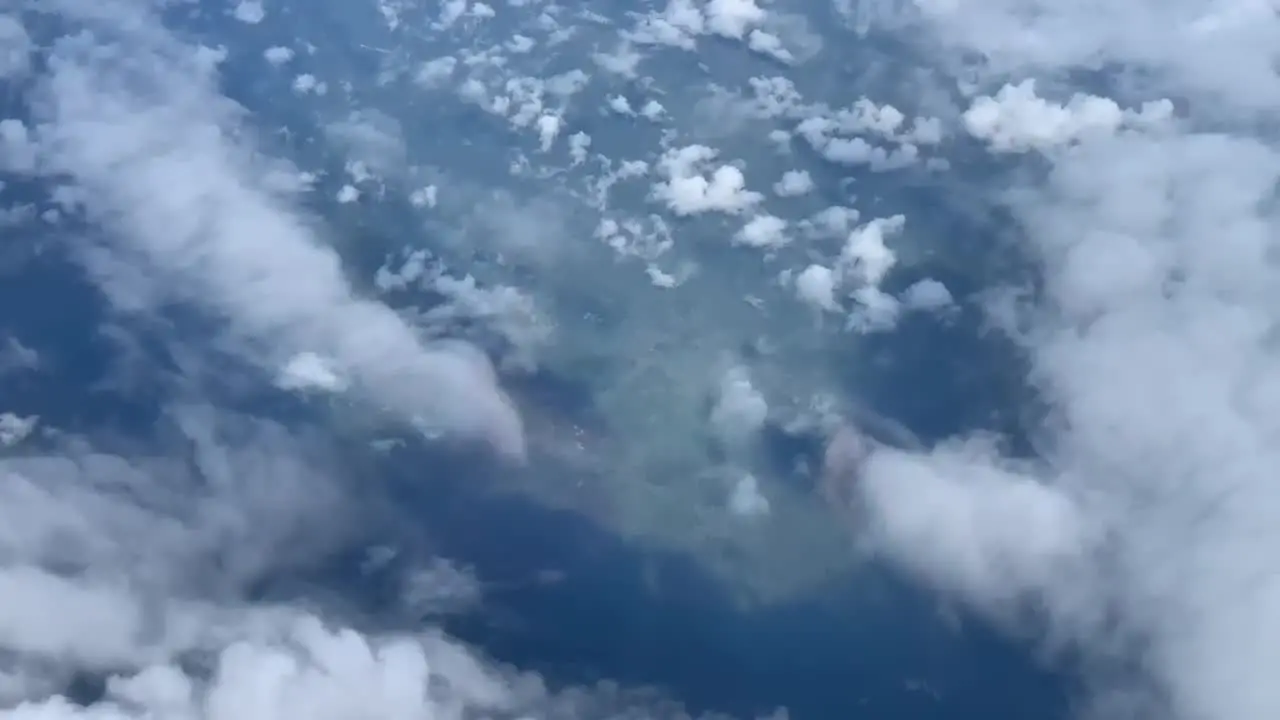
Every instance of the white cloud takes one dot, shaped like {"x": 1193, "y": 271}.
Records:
{"x": 993, "y": 536}
{"x": 278, "y": 55}
{"x": 1192, "y": 41}
{"x": 835, "y": 221}
{"x": 249, "y": 11}
{"x": 864, "y": 263}
{"x": 653, "y": 110}
{"x": 308, "y": 371}
{"x": 1016, "y": 119}
{"x": 307, "y": 669}
{"x": 740, "y": 409}
{"x": 763, "y": 231}
{"x": 865, "y": 256}
{"x": 265, "y": 663}
{"x": 100, "y": 548}
{"x": 816, "y": 285}
{"x": 373, "y": 141}
{"x": 677, "y": 25}
{"x": 793, "y": 182}
{"x": 766, "y": 43}
{"x": 620, "y": 105}
{"x": 689, "y": 189}
{"x": 436, "y": 72}
{"x": 124, "y": 566}
{"x": 15, "y": 428}
{"x": 440, "y": 588}
{"x": 179, "y": 196}
{"x": 733, "y": 18}
{"x": 308, "y": 83}
{"x": 927, "y": 294}
{"x": 682, "y": 22}
{"x": 425, "y": 197}
{"x": 746, "y": 499}
{"x": 506, "y": 311}
{"x": 15, "y": 48}
{"x": 1149, "y": 529}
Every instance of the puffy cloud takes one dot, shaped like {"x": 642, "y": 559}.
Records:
{"x": 1149, "y": 526}
{"x": 301, "y": 667}
{"x": 1016, "y": 119}
{"x": 793, "y": 182}
{"x": 131, "y": 569}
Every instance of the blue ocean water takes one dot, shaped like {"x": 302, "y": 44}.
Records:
{"x": 870, "y": 645}
{"x": 866, "y": 646}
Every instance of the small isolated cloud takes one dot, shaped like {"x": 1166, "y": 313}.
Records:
{"x": 816, "y": 286}
{"x": 100, "y": 547}
{"x": 250, "y": 12}
{"x": 927, "y": 294}
{"x": 793, "y": 182}
{"x": 739, "y": 410}
{"x": 15, "y": 428}
{"x": 308, "y": 371}
{"x": 131, "y": 570}
{"x": 746, "y": 500}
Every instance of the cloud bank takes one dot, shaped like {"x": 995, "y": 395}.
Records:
{"x": 1149, "y": 532}
{"x": 130, "y": 566}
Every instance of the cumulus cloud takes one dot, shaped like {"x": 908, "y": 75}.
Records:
{"x": 1154, "y": 515}
{"x": 691, "y": 187}
{"x": 131, "y": 569}
{"x": 301, "y": 667}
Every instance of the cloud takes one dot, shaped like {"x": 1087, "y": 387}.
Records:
{"x": 303, "y": 668}
{"x": 1189, "y": 42}
{"x": 166, "y": 166}
{"x": 1150, "y": 526}
{"x": 113, "y": 562}
{"x": 110, "y": 564}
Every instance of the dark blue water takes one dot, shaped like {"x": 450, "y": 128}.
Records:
{"x": 866, "y": 646}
